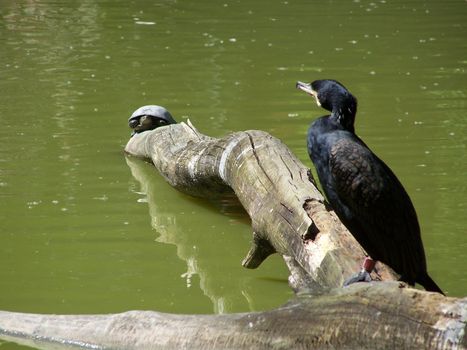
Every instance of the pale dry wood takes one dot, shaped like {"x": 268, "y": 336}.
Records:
{"x": 363, "y": 316}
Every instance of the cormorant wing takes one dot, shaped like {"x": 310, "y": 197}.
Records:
{"x": 383, "y": 218}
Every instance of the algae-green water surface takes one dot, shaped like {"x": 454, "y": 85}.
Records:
{"x": 85, "y": 230}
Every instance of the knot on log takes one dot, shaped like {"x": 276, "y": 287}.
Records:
{"x": 311, "y": 207}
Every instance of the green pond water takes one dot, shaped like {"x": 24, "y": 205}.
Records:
{"x": 85, "y": 230}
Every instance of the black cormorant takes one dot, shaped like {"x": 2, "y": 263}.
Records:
{"x": 363, "y": 191}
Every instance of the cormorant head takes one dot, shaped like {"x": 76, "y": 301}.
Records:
{"x": 334, "y": 97}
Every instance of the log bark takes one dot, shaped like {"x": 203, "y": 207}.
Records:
{"x": 289, "y": 217}
{"x": 362, "y": 316}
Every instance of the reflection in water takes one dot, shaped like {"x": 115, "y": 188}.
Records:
{"x": 45, "y": 40}
{"x": 41, "y": 38}
{"x": 174, "y": 227}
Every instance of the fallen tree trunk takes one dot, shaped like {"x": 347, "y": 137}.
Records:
{"x": 289, "y": 217}
{"x": 363, "y": 316}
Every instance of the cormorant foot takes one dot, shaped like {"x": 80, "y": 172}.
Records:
{"x": 362, "y": 276}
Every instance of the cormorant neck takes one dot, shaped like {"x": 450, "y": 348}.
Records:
{"x": 345, "y": 116}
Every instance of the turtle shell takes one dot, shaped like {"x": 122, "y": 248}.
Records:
{"x": 154, "y": 116}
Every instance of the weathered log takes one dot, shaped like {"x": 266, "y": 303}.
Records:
{"x": 362, "y": 316}
{"x": 289, "y": 217}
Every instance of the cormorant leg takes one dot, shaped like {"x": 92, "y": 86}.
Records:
{"x": 364, "y": 274}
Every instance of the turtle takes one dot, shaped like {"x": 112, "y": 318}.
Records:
{"x": 148, "y": 118}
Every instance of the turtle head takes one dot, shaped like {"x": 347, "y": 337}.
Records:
{"x": 149, "y": 117}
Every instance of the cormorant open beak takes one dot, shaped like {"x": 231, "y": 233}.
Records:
{"x": 308, "y": 89}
